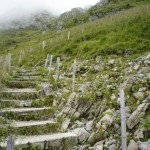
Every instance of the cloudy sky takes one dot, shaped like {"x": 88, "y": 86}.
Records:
{"x": 10, "y": 9}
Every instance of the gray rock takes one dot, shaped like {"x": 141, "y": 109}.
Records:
{"x": 139, "y": 134}
{"x": 76, "y": 115}
{"x": 65, "y": 124}
{"x": 110, "y": 142}
{"x": 107, "y": 119}
{"x": 83, "y": 135}
{"x": 98, "y": 147}
{"x": 132, "y": 145}
{"x": 47, "y": 89}
{"x": 89, "y": 125}
{"x": 112, "y": 147}
{"x": 135, "y": 117}
{"x": 145, "y": 145}
{"x": 138, "y": 95}
{"x": 79, "y": 124}
{"x": 111, "y": 62}
{"x": 136, "y": 67}
{"x": 93, "y": 138}
{"x": 147, "y": 62}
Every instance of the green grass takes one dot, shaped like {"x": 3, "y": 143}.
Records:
{"x": 128, "y": 33}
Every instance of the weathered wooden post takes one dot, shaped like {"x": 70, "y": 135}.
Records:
{"x": 30, "y": 50}
{"x": 111, "y": 18}
{"x": 46, "y": 61}
{"x": 50, "y": 64}
{"x": 44, "y": 44}
{"x": 9, "y": 62}
{"x": 74, "y": 73}
{"x": 69, "y": 35}
{"x": 57, "y": 68}
{"x": 20, "y": 56}
{"x": 123, "y": 120}
{"x": 10, "y": 143}
{"x": 82, "y": 31}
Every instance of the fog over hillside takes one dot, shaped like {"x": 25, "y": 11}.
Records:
{"x": 16, "y": 9}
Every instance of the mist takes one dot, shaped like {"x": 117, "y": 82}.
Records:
{"x": 15, "y": 9}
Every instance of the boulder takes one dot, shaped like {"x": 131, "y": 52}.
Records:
{"x": 138, "y": 95}
{"x": 65, "y": 124}
{"x": 145, "y": 145}
{"x": 139, "y": 134}
{"x": 89, "y": 125}
{"x": 83, "y": 135}
{"x": 107, "y": 119}
{"x": 93, "y": 138}
{"x": 132, "y": 145}
{"x": 111, "y": 62}
{"x": 46, "y": 89}
{"x": 135, "y": 117}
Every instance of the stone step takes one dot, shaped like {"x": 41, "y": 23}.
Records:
{"x": 28, "y": 114}
{"x": 22, "y": 84}
{"x": 16, "y": 90}
{"x": 24, "y": 110}
{"x": 18, "y": 124}
{"x": 31, "y": 127}
{"x": 27, "y": 78}
{"x": 28, "y": 74}
{"x": 21, "y": 103}
{"x": 24, "y": 93}
{"x": 51, "y": 139}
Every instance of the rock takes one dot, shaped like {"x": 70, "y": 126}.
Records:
{"x": 147, "y": 62}
{"x": 132, "y": 145}
{"x": 46, "y": 89}
{"x": 136, "y": 67}
{"x": 65, "y": 124}
{"x": 72, "y": 100}
{"x": 93, "y": 138}
{"x": 138, "y": 95}
{"x": 76, "y": 115}
{"x": 89, "y": 125}
{"x": 111, "y": 62}
{"x": 85, "y": 147}
{"x": 112, "y": 147}
{"x": 107, "y": 119}
{"x": 145, "y": 145}
{"x": 83, "y": 135}
{"x": 145, "y": 70}
{"x": 79, "y": 124}
{"x": 98, "y": 68}
{"x": 139, "y": 134}
{"x": 98, "y": 147}
{"x": 110, "y": 142}
{"x": 135, "y": 117}
{"x": 113, "y": 97}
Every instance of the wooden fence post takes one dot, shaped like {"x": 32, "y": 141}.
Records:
{"x": 44, "y": 43}
{"x": 46, "y": 61}
{"x": 57, "y": 68}
{"x": 69, "y": 35}
{"x": 20, "y": 56}
{"x": 74, "y": 73}
{"x": 9, "y": 62}
{"x": 50, "y": 64}
{"x": 123, "y": 120}
{"x": 10, "y": 143}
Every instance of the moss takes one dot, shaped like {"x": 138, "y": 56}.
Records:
{"x": 44, "y": 114}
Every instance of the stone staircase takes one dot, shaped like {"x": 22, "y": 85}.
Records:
{"x": 27, "y": 123}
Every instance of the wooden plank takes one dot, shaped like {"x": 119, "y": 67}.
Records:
{"x": 74, "y": 73}
{"x": 57, "y": 68}
{"x": 123, "y": 120}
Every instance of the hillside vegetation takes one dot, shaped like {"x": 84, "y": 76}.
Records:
{"x": 111, "y": 52}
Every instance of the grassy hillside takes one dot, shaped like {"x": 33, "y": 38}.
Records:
{"x": 125, "y": 33}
